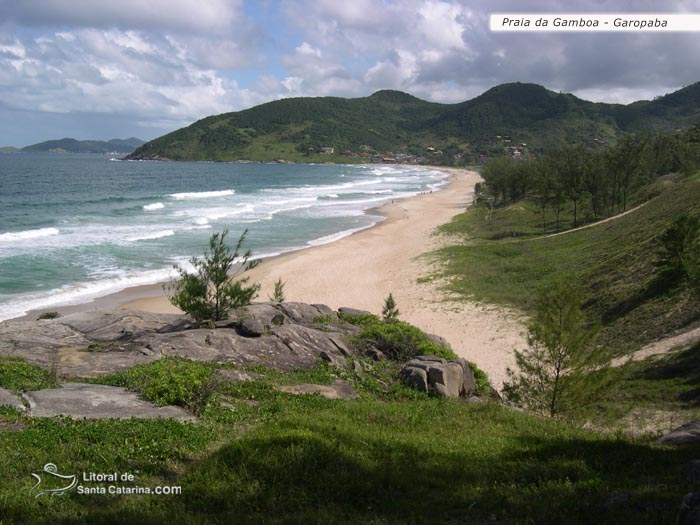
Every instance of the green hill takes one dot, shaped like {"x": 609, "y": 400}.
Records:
{"x": 69, "y": 145}
{"x": 9, "y": 149}
{"x": 392, "y": 121}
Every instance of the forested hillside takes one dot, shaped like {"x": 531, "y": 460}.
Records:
{"x": 391, "y": 122}
{"x": 86, "y": 146}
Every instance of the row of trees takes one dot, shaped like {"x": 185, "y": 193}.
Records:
{"x": 603, "y": 180}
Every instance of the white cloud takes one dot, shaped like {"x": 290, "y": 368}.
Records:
{"x": 115, "y": 72}
{"x": 306, "y": 49}
{"x": 397, "y": 72}
{"x": 438, "y": 23}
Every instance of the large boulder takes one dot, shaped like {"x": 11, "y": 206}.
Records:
{"x": 689, "y": 513}
{"x": 440, "y": 376}
{"x": 302, "y": 313}
{"x": 352, "y": 312}
{"x": 416, "y": 378}
{"x": 688, "y": 433}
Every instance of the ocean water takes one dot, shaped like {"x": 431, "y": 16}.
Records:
{"x": 77, "y": 227}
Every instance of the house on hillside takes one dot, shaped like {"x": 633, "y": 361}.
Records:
{"x": 326, "y": 150}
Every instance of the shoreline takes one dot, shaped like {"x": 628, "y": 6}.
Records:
{"x": 122, "y": 299}
{"x": 361, "y": 269}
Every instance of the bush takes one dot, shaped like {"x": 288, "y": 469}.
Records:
{"x": 483, "y": 385}
{"x": 400, "y": 341}
{"x": 210, "y": 293}
{"x": 171, "y": 381}
{"x": 677, "y": 245}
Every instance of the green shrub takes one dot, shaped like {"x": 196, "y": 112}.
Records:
{"x": 326, "y": 319}
{"x": 400, "y": 340}
{"x": 18, "y": 376}
{"x": 48, "y": 315}
{"x": 360, "y": 320}
{"x": 483, "y": 385}
{"x": 677, "y": 243}
{"x": 171, "y": 381}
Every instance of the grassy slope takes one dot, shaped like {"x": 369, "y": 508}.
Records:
{"x": 656, "y": 394}
{"x": 389, "y": 457}
{"x": 614, "y": 262}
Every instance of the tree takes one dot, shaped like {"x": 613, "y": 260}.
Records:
{"x": 211, "y": 291}
{"x": 554, "y": 373}
{"x": 390, "y": 312}
{"x": 677, "y": 243}
{"x": 278, "y": 295}
{"x": 572, "y": 162}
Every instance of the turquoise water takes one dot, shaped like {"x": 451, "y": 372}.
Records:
{"x": 77, "y": 227}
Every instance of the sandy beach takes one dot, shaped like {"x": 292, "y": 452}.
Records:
{"x": 361, "y": 270}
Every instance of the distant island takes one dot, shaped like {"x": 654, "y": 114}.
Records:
{"x": 69, "y": 145}
{"x": 515, "y": 119}
{"x": 9, "y": 149}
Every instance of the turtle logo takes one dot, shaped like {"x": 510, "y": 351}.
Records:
{"x": 69, "y": 482}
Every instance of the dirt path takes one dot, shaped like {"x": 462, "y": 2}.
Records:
{"x": 662, "y": 347}
{"x": 597, "y": 223}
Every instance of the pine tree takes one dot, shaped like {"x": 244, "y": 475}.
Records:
{"x": 555, "y": 373}
{"x": 390, "y": 312}
{"x": 211, "y": 292}
{"x": 278, "y": 294}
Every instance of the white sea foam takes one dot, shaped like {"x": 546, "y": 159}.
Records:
{"x": 81, "y": 293}
{"x": 340, "y": 235}
{"x": 201, "y": 195}
{"x": 149, "y": 236}
{"x": 339, "y": 200}
{"x": 28, "y": 234}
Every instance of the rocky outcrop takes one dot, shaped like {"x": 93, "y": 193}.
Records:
{"x": 8, "y": 399}
{"x": 81, "y": 400}
{"x": 96, "y": 343}
{"x": 439, "y": 376}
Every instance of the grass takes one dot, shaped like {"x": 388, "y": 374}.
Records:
{"x": 519, "y": 219}
{"x": 18, "y": 376}
{"x": 395, "y": 455}
{"x": 170, "y": 381}
{"x": 613, "y": 262}
{"x": 652, "y": 395}
{"x": 310, "y": 460}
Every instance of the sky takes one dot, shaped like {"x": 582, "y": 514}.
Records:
{"x": 93, "y": 69}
